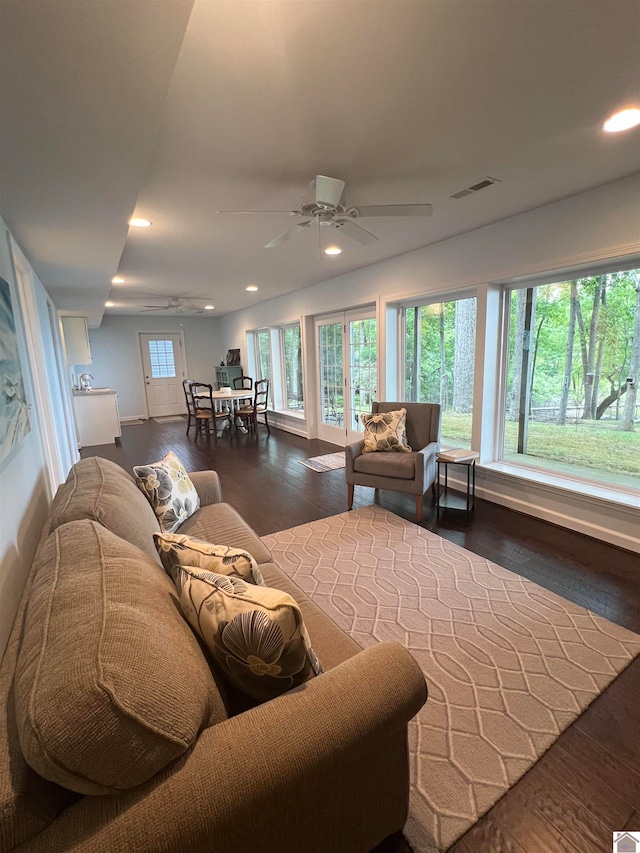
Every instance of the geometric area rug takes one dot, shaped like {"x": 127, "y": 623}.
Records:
{"x": 509, "y": 665}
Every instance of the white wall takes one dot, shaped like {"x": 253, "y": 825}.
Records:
{"x": 598, "y": 224}
{"x": 117, "y": 360}
{"x": 24, "y": 497}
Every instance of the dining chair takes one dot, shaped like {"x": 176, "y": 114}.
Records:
{"x": 249, "y": 414}
{"x": 206, "y": 416}
{"x": 242, "y": 383}
{"x": 191, "y": 409}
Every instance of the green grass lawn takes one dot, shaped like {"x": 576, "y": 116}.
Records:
{"x": 597, "y": 445}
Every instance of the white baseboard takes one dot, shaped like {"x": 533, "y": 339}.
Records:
{"x": 620, "y": 524}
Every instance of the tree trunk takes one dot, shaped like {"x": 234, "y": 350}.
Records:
{"x": 514, "y": 396}
{"x": 589, "y": 373}
{"x": 464, "y": 355}
{"x": 633, "y": 377}
{"x": 568, "y": 362}
{"x": 444, "y": 402}
{"x": 583, "y": 337}
{"x": 611, "y": 398}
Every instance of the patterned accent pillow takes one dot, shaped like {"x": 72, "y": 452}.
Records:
{"x": 256, "y": 634}
{"x": 177, "y": 549}
{"x": 169, "y": 490}
{"x": 385, "y": 431}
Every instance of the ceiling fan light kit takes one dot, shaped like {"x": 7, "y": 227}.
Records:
{"x": 323, "y": 207}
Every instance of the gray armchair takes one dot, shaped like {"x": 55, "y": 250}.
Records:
{"x": 413, "y": 472}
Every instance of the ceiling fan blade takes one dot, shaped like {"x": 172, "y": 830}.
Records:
{"x": 157, "y": 307}
{"x": 290, "y": 212}
{"x": 278, "y": 241}
{"x": 356, "y": 232}
{"x": 395, "y": 210}
{"x": 328, "y": 191}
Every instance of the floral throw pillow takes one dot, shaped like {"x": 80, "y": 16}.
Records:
{"x": 169, "y": 490}
{"x": 385, "y": 431}
{"x": 177, "y": 549}
{"x": 255, "y": 634}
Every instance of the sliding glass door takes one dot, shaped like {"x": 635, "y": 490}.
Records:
{"x": 347, "y": 356}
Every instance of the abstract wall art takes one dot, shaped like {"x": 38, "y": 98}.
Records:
{"x": 14, "y": 411}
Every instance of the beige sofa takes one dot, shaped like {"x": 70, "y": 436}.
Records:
{"x": 321, "y": 768}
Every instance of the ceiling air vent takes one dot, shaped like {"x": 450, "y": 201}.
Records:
{"x": 474, "y": 188}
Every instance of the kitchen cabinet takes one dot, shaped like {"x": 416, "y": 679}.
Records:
{"x": 76, "y": 340}
{"x": 97, "y": 416}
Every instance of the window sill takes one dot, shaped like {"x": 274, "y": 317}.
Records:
{"x": 623, "y": 497}
{"x": 289, "y": 413}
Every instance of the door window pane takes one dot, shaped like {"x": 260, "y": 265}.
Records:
{"x": 331, "y": 374}
{"x": 263, "y": 359}
{"x": 163, "y": 364}
{"x": 440, "y": 340}
{"x": 363, "y": 368}
{"x": 572, "y": 377}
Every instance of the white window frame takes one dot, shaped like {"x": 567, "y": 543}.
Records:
{"x": 419, "y": 302}
{"x": 544, "y": 471}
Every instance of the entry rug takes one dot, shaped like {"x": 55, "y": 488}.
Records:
{"x": 509, "y": 665}
{"x": 328, "y": 462}
{"x": 169, "y": 419}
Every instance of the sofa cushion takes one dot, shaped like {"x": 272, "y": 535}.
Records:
{"x": 177, "y": 549}
{"x": 399, "y": 465}
{"x": 255, "y": 634}
{"x": 103, "y": 491}
{"x": 169, "y": 490}
{"x": 221, "y": 523}
{"x": 110, "y": 683}
{"x": 384, "y": 431}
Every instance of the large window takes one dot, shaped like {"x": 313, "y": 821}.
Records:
{"x": 276, "y": 354}
{"x": 439, "y": 357}
{"x": 573, "y": 367}
{"x": 262, "y": 355}
{"x": 291, "y": 348}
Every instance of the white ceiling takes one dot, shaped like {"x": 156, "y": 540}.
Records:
{"x": 111, "y": 108}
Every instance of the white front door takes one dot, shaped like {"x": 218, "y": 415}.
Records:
{"x": 347, "y": 355}
{"x": 163, "y": 363}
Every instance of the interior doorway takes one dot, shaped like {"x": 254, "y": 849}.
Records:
{"x": 347, "y": 348}
{"x": 164, "y": 368}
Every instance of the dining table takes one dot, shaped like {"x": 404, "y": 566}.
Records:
{"x": 235, "y": 397}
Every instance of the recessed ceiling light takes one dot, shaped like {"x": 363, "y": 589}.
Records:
{"x": 137, "y": 222}
{"x": 332, "y": 250}
{"x": 622, "y": 120}
{"x": 251, "y": 288}
{"x": 209, "y": 307}
{"x": 109, "y": 304}
{"x": 117, "y": 279}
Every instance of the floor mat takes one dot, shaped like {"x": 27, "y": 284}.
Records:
{"x": 328, "y": 462}
{"x": 169, "y": 419}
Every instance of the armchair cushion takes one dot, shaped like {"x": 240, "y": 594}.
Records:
{"x": 384, "y": 431}
{"x": 402, "y": 466}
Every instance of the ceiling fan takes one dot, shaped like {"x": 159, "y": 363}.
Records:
{"x": 174, "y": 304}
{"x": 325, "y": 208}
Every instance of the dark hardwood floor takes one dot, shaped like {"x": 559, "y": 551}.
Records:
{"x": 588, "y": 784}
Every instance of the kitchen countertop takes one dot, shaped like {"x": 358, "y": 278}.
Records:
{"x": 94, "y": 392}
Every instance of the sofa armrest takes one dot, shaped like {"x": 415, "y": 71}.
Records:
{"x": 208, "y": 487}
{"x": 351, "y": 453}
{"x": 309, "y": 770}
